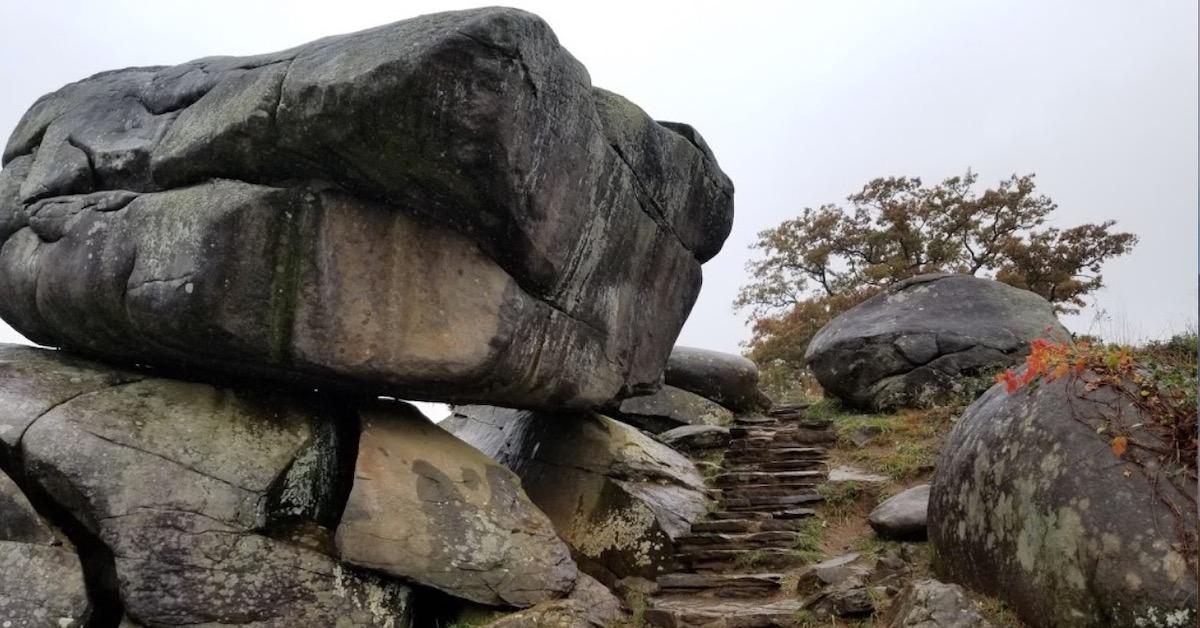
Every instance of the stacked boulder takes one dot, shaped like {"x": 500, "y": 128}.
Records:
{"x": 702, "y": 387}
{"x": 238, "y": 256}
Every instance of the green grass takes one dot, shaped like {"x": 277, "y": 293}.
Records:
{"x": 808, "y": 540}
{"x": 749, "y": 559}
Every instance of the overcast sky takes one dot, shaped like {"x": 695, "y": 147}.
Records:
{"x": 802, "y": 102}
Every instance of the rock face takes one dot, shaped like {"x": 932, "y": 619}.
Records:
{"x": 429, "y": 508}
{"x": 200, "y": 494}
{"x": 914, "y": 343}
{"x": 727, "y": 379}
{"x": 442, "y": 208}
{"x": 903, "y": 516}
{"x": 41, "y": 579}
{"x": 931, "y": 604}
{"x": 616, "y": 496}
{"x": 670, "y": 408}
{"x": 1030, "y": 504}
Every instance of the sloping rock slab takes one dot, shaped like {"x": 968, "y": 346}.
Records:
{"x": 670, "y": 408}
{"x": 618, "y": 498}
{"x": 696, "y": 437}
{"x": 590, "y": 605}
{"x": 439, "y": 208}
{"x": 727, "y": 379}
{"x": 1030, "y": 504}
{"x": 184, "y": 482}
{"x": 921, "y": 340}
{"x": 41, "y": 579}
{"x": 429, "y": 508}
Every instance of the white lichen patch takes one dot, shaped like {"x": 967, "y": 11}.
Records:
{"x": 625, "y": 529}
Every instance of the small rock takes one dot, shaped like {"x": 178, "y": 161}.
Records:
{"x": 932, "y": 604}
{"x": 835, "y": 571}
{"x": 903, "y": 516}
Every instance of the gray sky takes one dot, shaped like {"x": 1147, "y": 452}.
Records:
{"x": 803, "y": 102}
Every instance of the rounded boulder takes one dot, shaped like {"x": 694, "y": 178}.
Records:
{"x": 923, "y": 339}
{"x": 1036, "y": 502}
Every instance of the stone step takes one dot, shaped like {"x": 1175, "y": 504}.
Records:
{"x": 709, "y": 581}
{"x": 743, "y": 525}
{"x": 741, "y": 478}
{"x": 755, "y": 419}
{"x": 720, "y": 618}
{"x": 765, "y": 490}
{"x": 789, "y": 465}
{"x": 749, "y": 502}
{"x": 777, "y": 538}
{"x": 720, "y": 585}
{"x": 795, "y": 453}
{"x": 722, "y": 560}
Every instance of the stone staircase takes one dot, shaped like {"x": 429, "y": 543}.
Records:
{"x": 731, "y": 565}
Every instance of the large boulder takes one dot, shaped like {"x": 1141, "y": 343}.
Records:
{"x": 1032, "y": 503}
{"x": 441, "y": 208}
{"x": 429, "y": 508}
{"x": 41, "y": 578}
{"x": 926, "y": 338}
{"x": 618, "y": 497}
{"x": 727, "y": 379}
{"x": 210, "y": 501}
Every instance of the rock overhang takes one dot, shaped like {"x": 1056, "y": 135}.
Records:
{"x": 475, "y": 130}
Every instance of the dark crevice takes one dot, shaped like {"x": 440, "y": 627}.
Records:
{"x": 96, "y": 559}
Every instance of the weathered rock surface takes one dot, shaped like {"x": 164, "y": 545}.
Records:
{"x": 670, "y": 408}
{"x": 193, "y": 489}
{"x": 590, "y": 605}
{"x": 429, "y": 508}
{"x": 441, "y": 208}
{"x": 928, "y": 603}
{"x": 902, "y": 517}
{"x": 727, "y": 379}
{"x": 617, "y": 497}
{"x": 41, "y": 578}
{"x": 916, "y": 342}
{"x": 1030, "y": 504}
{"x": 696, "y": 437}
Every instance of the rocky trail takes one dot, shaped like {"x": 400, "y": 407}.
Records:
{"x": 731, "y": 565}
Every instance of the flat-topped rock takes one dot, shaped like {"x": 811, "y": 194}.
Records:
{"x": 441, "y": 208}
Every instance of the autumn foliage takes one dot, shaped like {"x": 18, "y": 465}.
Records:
{"x": 830, "y": 258}
{"x": 1161, "y": 385}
